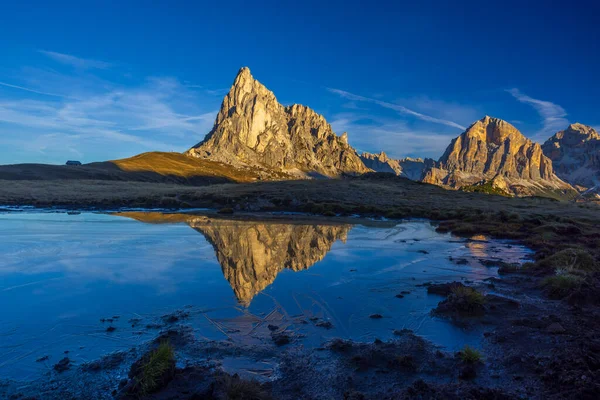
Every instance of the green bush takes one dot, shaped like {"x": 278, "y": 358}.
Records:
{"x": 471, "y": 297}
{"x": 470, "y": 355}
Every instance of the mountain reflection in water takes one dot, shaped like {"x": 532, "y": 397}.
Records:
{"x": 66, "y": 279}
{"x": 253, "y": 253}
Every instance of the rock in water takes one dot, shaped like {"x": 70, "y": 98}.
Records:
{"x": 253, "y": 130}
{"x": 575, "y": 155}
{"x": 492, "y": 150}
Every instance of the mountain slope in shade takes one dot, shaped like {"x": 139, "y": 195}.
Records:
{"x": 493, "y": 150}
{"x": 575, "y": 155}
{"x": 254, "y": 129}
{"x": 411, "y": 168}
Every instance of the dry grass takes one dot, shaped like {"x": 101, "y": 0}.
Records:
{"x": 180, "y": 165}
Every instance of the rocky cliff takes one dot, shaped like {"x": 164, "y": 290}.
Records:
{"x": 493, "y": 150}
{"x": 252, "y": 254}
{"x": 411, "y": 168}
{"x": 575, "y": 155}
{"x": 253, "y": 129}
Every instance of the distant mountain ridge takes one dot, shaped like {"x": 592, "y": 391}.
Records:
{"x": 253, "y": 129}
{"x": 492, "y": 150}
{"x": 411, "y": 168}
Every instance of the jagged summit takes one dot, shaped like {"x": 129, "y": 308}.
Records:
{"x": 253, "y": 129}
{"x": 575, "y": 154}
{"x": 492, "y": 148}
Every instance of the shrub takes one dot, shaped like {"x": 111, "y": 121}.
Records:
{"x": 571, "y": 260}
{"x": 560, "y": 285}
{"x": 470, "y": 355}
{"x": 471, "y": 297}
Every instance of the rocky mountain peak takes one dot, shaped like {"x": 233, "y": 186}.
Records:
{"x": 254, "y": 130}
{"x": 575, "y": 153}
{"x": 579, "y": 132}
{"x": 492, "y": 130}
{"x": 492, "y": 147}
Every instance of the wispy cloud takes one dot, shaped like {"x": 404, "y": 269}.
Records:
{"x": 77, "y": 62}
{"x": 30, "y": 90}
{"x": 553, "y": 115}
{"x": 374, "y": 134}
{"x": 95, "y": 119}
{"x": 396, "y": 107}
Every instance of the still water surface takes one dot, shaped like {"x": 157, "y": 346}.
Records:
{"x": 61, "y": 275}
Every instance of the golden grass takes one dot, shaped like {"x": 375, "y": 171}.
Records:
{"x": 180, "y": 165}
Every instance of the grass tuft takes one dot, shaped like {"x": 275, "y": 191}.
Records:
{"x": 470, "y": 355}
{"x": 157, "y": 365}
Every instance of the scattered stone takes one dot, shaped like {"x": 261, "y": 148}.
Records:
{"x": 175, "y": 317}
{"x": 467, "y": 372}
{"x": 375, "y": 316}
{"x": 281, "y": 338}
{"x": 111, "y": 329}
{"x": 272, "y": 327}
{"x": 109, "y": 361}
{"x": 43, "y": 358}
{"x": 324, "y": 324}
{"x": 63, "y": 365}
{"x": 400, "y": 296}
{"x": 555, "y": 329}
{"x": 423, "y": 252}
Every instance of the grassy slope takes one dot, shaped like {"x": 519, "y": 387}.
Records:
{"x": 159, "y": 167}
{"x": 182, "y": 166}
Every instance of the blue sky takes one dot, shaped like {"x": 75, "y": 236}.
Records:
{"x": 104, "y": 80}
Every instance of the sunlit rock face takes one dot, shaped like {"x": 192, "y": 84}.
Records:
{"x": 411, "y": 168}
{"x": 575, "y": 154}
{"x": 493, "y": 148}
{"x": 254, "y": 129}
{"x": 251, "y": 253}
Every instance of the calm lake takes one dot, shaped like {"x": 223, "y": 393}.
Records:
{"x": 66, "y": 280}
